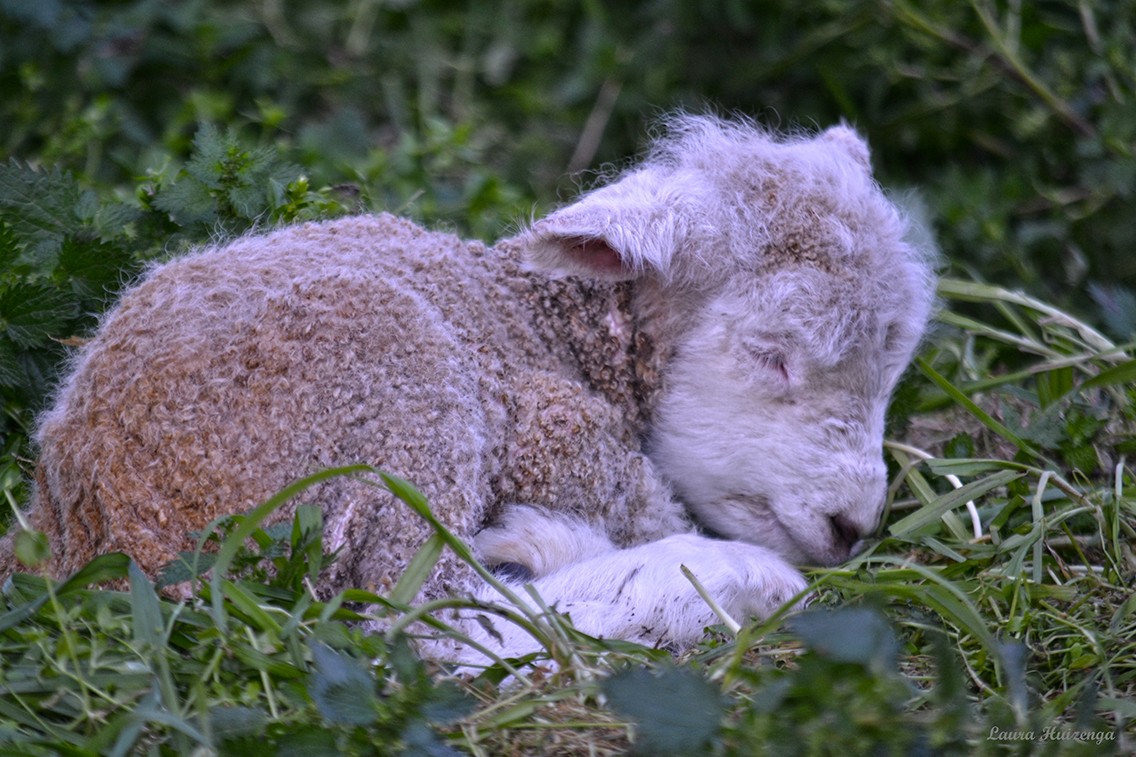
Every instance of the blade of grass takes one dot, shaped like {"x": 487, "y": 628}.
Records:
{"x": 146, "y": 611}
{"x": 934, "y": 510}
{"x": 975, "y": 521}
{"x": 1039, "y": 520}
{"x": 981, "y": 415}
{"x": 972, "y": 291}
{"x": 246, "y": 603}
{"x": 981, "y": 329}
{"x": 405, "y": 491}
{"x": 942, "y": 595}
{"x": 724, "y": 616}
{"x": 418, "y": 570}
{"x": 973, "y": 466}
{"x": 252, "y": 521}
{"x": 1125, "y": 373}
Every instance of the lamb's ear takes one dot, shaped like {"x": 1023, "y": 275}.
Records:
{"x": 576, "y": 253}
{"x": 616, "y": 233}
{"x": 849, "y": 140}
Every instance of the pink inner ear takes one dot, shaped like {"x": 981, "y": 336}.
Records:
{"x": 595, "y": 254}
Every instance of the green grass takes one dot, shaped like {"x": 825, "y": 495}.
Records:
{"x": 994, "y": 615}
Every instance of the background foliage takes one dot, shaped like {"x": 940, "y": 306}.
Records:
{"x": 132, "y": 130}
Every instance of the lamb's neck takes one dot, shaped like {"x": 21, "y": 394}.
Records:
{"x": 618, "y": 336}
{"x": 611, "y": 333}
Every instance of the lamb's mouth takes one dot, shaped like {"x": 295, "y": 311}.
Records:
{"x": 836, "y": 549}
{"x": 844, "y": 542}
{"x": 758, "y": 522}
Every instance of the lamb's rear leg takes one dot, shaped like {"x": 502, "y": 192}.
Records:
{"x": 526, "y": 542}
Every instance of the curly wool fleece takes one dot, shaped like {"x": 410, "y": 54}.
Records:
{"x": 726, "y": 320}
{"x": 227, "y": 374}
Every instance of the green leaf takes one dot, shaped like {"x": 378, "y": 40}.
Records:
{"x": 108, "y": 567}
{"x": 18, "y": 615}
{"x": 1123, "y": 707}
{"x": 28, "y": 372}
{"x": 1013, "y": 655}
{"x": 1126, "y": 608}
{"x": 308, "y": 520}
{"x": 419, "y": 740}
{"x": 859, "y": 635}
{"x": 186, "y": 566}
{"x": 677, "y": 711}
{"x": 307, "y": 539}
{"x": 39, "y": 209}
{"x": 150, "y": 712}
{"x": 447, "y": 704}
{"x": 275, "y": 667}
{"x": 969, "y": 467}
{"x": 248, "y": 605}
{"x": 187, "y": 201}
{"x": 230, "y": 721}
{"x": 1124, "y": 373}
{"x": 235, "y": 541}
{"x": 404, "y": 662}
{"x": 146, "y": 611}
{"x": 224, "y": 180}
{"x": 309, "y": 741}
{"x": 934, "y": 591}
{"x": 31, "y": 548}
{"x": 1053, "y": 385}
{"x": 94, "y": 271}
{"x": 31, "y": 313}
{"x": 950, "y": 690}
{"x": 9, "y": 250}
{"x": 11, "y": 376}
{"x": 103, "y": 568}
{"x": 342, "y": 688}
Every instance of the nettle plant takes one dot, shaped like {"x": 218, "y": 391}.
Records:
{"x": 66, "y": 249}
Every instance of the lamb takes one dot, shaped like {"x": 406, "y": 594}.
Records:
{"x": 690, "y": 365}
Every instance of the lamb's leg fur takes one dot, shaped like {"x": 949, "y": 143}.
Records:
{"x": 638, "y": 594}
{"x": 539, "y": 540}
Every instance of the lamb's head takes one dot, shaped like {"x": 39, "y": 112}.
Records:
{"x": 793, "y": 298}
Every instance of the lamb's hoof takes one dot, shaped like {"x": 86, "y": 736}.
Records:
{"x": 513, "y": 572}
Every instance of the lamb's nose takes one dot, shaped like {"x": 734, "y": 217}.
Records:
{"x": 847, "y": 534}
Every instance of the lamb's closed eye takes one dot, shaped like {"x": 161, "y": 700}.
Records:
{"x": 767, "y": 360}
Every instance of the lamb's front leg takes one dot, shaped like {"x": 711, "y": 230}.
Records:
{"x": 640, "y": 594}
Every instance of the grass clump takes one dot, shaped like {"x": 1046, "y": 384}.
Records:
{"x": 994, "y": 615}
{"x": 266, "y": 669}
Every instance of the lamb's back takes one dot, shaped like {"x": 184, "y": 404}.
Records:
{"x": 228, "y": 373}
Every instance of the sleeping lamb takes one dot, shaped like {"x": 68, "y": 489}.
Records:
{"x": 690, "y": 365}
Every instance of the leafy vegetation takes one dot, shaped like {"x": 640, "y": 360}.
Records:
{"x": 267, "y": 667}
{"x": 995, "y": 615}
{"x": 957, "y": 651}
